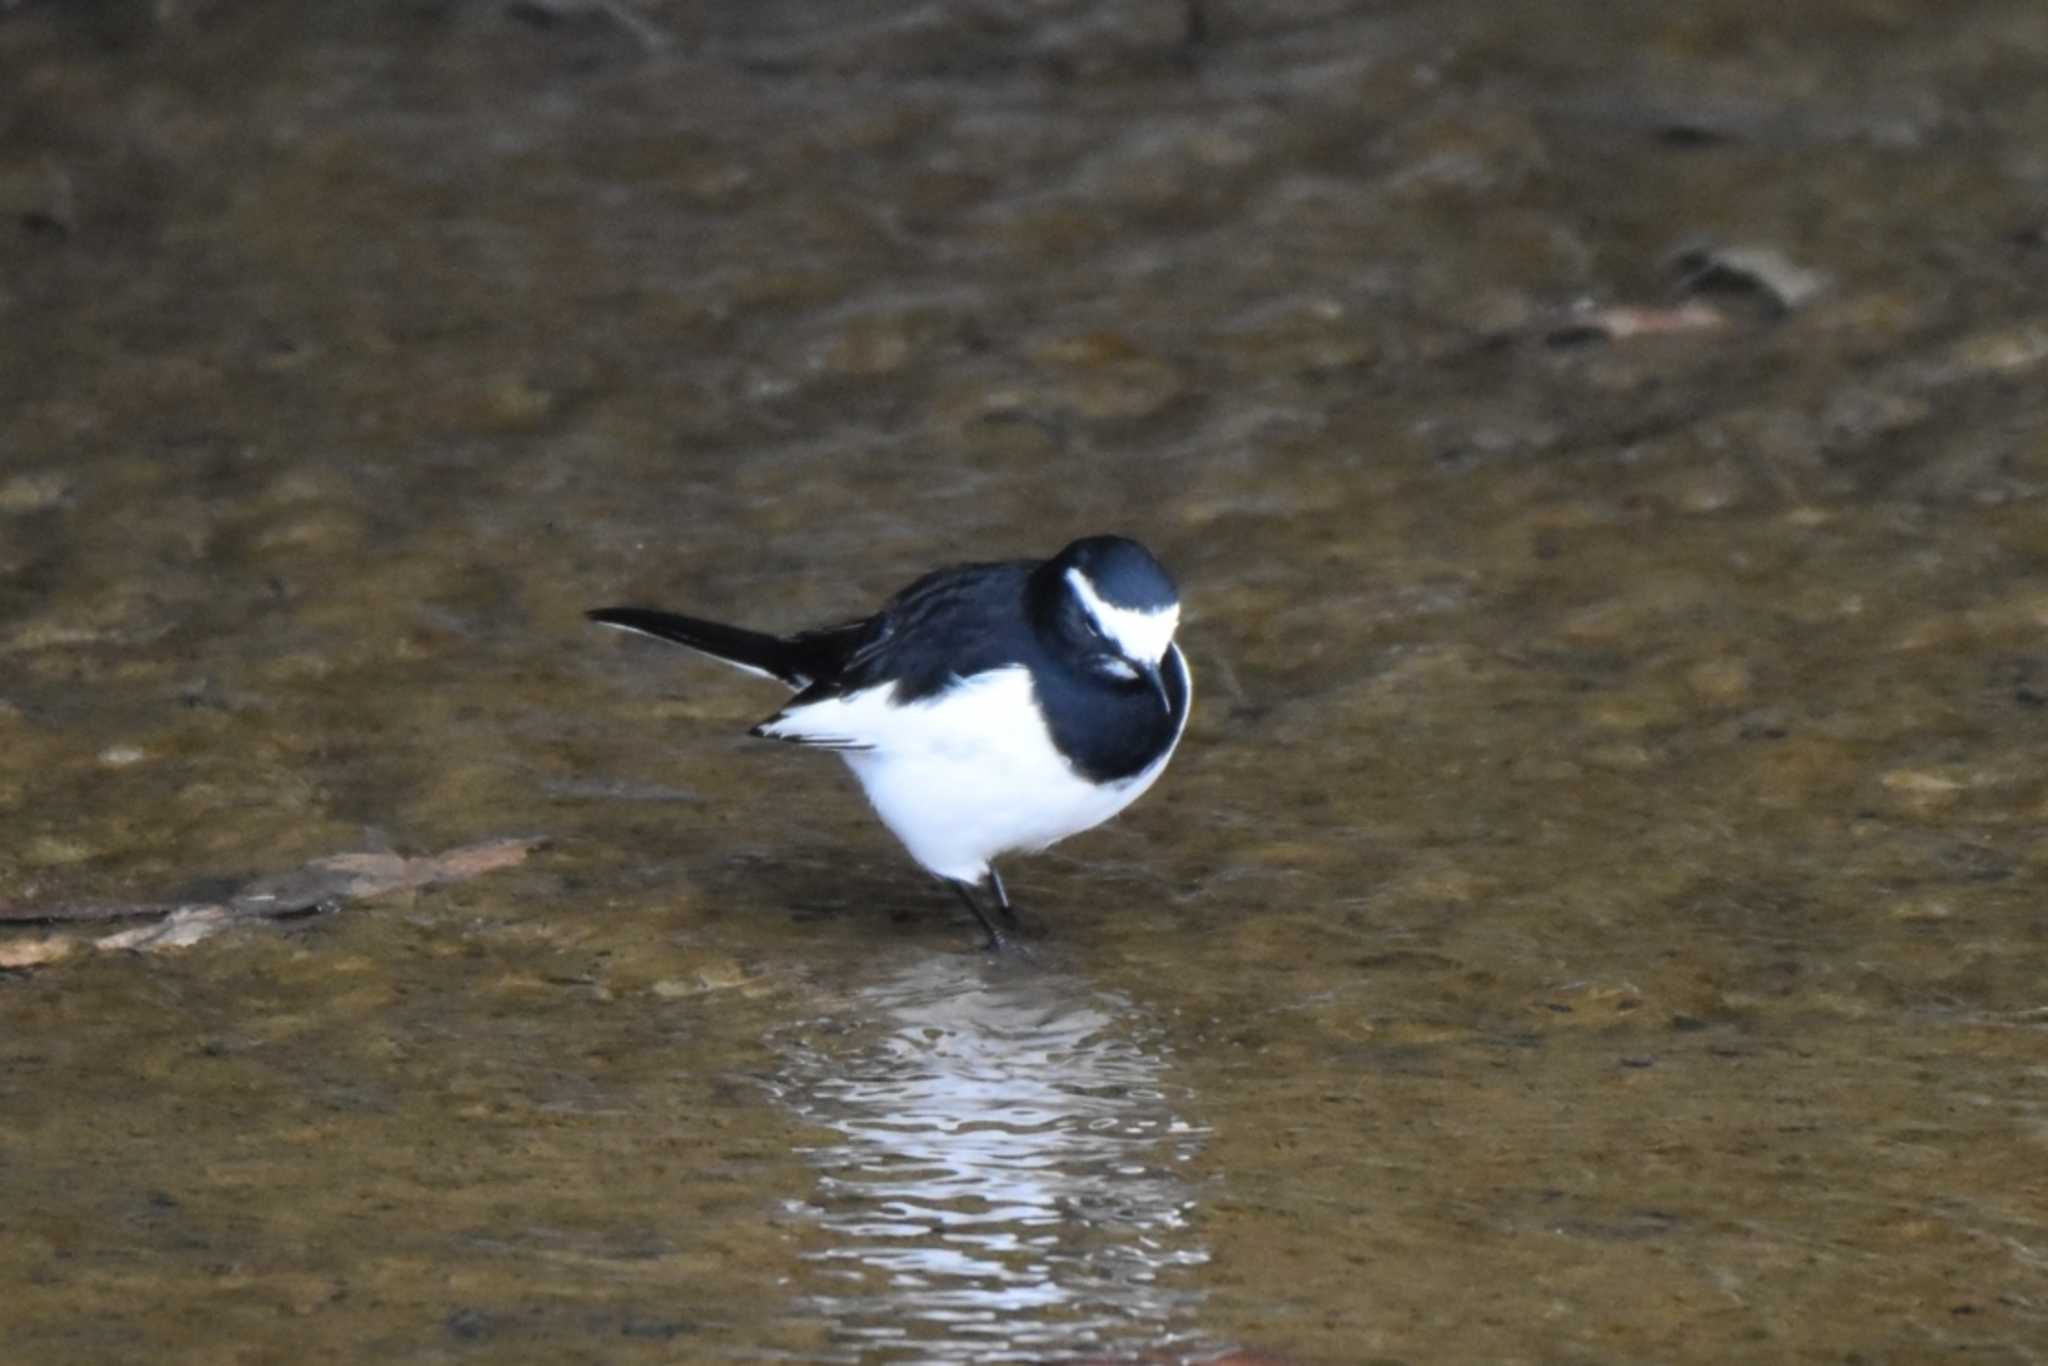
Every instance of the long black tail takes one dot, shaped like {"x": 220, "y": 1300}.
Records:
{"x": 786, "y": 660}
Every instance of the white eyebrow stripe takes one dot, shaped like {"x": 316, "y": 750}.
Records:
{"x": 1138, "y": 634}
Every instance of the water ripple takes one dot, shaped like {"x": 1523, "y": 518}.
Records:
{"x": 1005, "y": 1184}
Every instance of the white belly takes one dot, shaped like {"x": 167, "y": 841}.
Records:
{"x": 969, "y": 775}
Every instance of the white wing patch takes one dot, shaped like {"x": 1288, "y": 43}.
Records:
{"x": 855, "y": 720}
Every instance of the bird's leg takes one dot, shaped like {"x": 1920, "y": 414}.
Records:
{"x": 1008, "y": 915}
{"x": 997, "y": 940}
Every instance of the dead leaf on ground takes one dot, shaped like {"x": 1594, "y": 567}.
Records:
{"x": 351, "y": 877}
{"x": 180, "y": 929}
{"x": 32, "y": 953}
{"x": 1622, "y": 322}
{"x": 1756, "y": 269}
{"x": 323, "y": 884}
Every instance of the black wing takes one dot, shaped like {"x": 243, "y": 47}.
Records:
{"x": 952, "y": 623}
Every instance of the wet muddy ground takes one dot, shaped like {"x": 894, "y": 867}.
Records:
{"x": 1596, "y": 913}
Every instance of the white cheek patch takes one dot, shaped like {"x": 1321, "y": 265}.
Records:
{"x": 1139, "y": 635}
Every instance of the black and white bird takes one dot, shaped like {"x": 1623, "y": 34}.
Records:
{"x": 987, "y": 708}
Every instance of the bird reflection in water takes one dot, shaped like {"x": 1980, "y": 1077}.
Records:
{"x": 1005, "y": 1184}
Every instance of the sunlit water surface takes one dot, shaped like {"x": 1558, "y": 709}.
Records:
{"x": 1006, "y": 1184}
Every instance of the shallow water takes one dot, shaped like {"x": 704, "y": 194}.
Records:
{"x": 1006, "y": 1180}
{"x": 1595, "y": 914}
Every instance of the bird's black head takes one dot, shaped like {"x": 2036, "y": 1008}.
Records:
{"x": 1111, "y": 606}
{"x": 1121, "y": 573}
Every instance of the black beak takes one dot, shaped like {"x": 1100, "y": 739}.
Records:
{"x": 1150, "y": 673}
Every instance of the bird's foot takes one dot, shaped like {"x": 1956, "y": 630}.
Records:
{"x": 991, "y": 907}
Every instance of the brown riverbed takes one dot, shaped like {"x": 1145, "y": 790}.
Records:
{"x": 1596, "y": 914}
